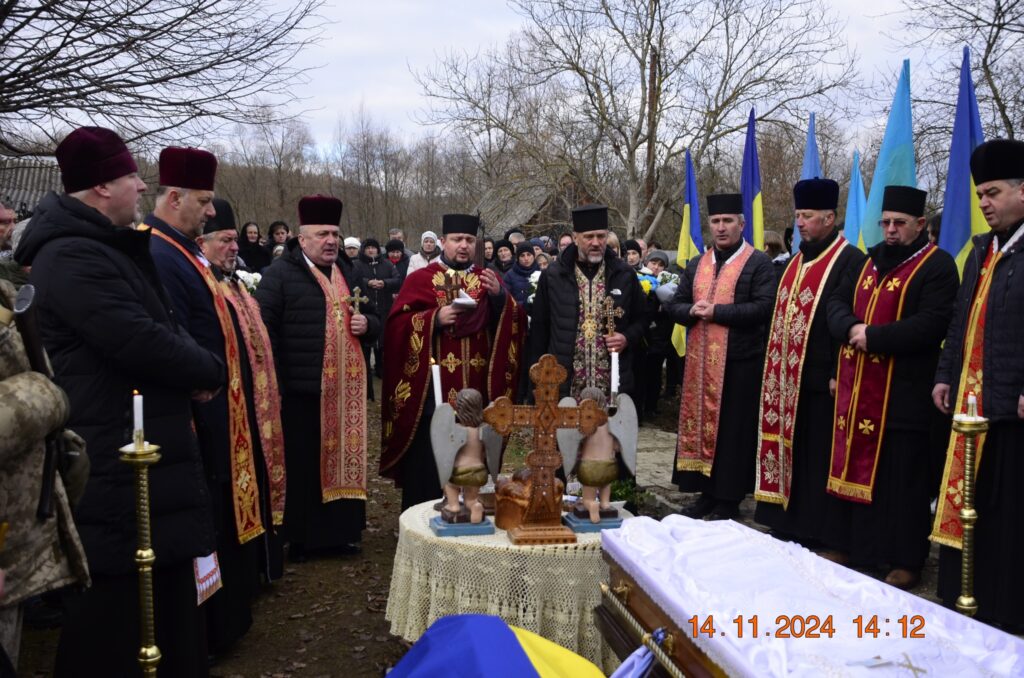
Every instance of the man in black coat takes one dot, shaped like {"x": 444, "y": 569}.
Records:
{"x": 894, "y": 311}
{"x": 797, "y": 401}
{"x": 725, "y": 300}
{"x": 567, "y": 318}
{"x": 986, "y": 358}
{"x": 108, "y": 328}
{"x": 379, "y": 280}
{"x": 322, "y": 377}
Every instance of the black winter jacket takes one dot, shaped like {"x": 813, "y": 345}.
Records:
{"x": 914, "y": 340}
{"x": 292, "y": 305}
{"x": 556, "y": 308}
{"x": 747, "y": 317}
{"x": 1003, "y": 367}
{"x": 518, "y": 282}
{"x": 378, "y": 268}
{"x": 107, "y": 325}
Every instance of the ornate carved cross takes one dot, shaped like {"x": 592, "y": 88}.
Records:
{"x": 450, "y": 287}
{"x": 610, "y": 313}
{"x": 542, "y": 521}
{"x": 355, "y": 300}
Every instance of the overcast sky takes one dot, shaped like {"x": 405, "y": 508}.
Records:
{"x": 370, "y": 45}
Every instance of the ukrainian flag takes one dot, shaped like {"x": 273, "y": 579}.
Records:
{"x": 750, "y": 187}
{"x": 961, "y": 214}
{"x": 856, "y": 202}
{"x": 482, "y": 645}
{"x": 691, "y": 241}
{"x": 895, "y": 165}
{"x": 811, "y": 170}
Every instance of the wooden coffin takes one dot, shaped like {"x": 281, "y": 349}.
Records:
{"x": 627, "y": 613}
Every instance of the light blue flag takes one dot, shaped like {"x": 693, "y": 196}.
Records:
{"x": 856, "y": 202}
{"x": 810, "y": 170}
{"x": 895, "y": 165}
{"x": 961, "y": 214}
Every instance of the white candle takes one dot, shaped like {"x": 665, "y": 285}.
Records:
{"x": 436, "y": 371}
{"x": 137, "y": 408}
{"x": 972, "y": 405}
{"x": 615, "y": 372}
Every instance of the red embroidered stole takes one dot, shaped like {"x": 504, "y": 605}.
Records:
{"x": 797, "y": 300}
{"x": 864, "y": 380}
{"x": 948, "y": 529}
{"x": 342, "y": 397}
{"x": 470, "y": 356}
{"x": 244, "y": 491}
{"x": 704, "y": 374}
{"x": 266, "y": 395}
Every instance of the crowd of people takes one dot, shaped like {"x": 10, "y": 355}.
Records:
{"x": 822, "y": 383}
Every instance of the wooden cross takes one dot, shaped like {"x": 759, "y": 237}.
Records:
{"x": 450, "y": 286}
{"x": 610, "y": 313}
{"x": 355, "y": 300}
{"x": 542, "y": 520}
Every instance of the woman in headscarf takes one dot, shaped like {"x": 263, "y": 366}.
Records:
{"x": 256, "y": 256}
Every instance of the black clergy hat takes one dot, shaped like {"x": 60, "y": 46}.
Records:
{"x": 816, "y": 194}
{"x": 998, "y": 159}
{"x": 460, "y": 223}
{"x": 725, "y": 203}
{"x": 905, "y": 199}
{"x": 590, "y": 218}
{"x": 223, "y": 220}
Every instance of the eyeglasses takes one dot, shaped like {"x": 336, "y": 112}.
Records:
{"x": 898, "y": 223}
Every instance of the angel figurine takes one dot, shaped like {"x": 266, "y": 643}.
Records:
{"x": 595, "y": 458}
{"x": 466, "y": 450}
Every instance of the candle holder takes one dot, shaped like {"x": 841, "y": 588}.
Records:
{"x": 970, "y": 426}
{"x": 141, "y": 454}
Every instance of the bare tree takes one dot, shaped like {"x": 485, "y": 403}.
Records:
{"x": 613, "y": 91}
{"x": 144, "y": 66}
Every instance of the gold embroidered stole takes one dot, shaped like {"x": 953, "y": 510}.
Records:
{"x": 797, "y": 300}
{"x": 266, "y": 395}
{"x": 864, "y": 380}
{"x": 342, "y": 397}
{"x": 245, "y": 497}
{"x": 947, "y": 529}
{"x": 591, "y": 362}
{"x": 704, "y": 374}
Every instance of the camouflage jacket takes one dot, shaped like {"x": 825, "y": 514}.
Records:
{"x": 35, "y": 556}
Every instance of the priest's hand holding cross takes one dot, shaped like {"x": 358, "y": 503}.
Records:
{"x": 358, "y": 324}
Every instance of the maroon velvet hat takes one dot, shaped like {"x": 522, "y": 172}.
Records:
{"x": 92, "y": 155}
{"x": 187, "y": 168}
{"x": 318, "y": 210}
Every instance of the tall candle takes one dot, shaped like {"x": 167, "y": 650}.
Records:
{"x": 615, "y": 372}
{"x": 137, "y": 410}
{"x": 972, "y": 405}
{"x": 435, "y": 369}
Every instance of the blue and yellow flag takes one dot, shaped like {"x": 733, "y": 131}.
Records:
{"x": 961, "y": 214}
{"x": 810, "y": 170}
{"x": 895, "y": 165}
{"x": 856, "y": 202}
{"x": 482, "y": 645}
{"x": 750, "y": 187}
{"x": 691, "y": 240}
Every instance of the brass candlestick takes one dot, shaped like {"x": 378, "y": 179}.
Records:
{"x": 141, "y": 454}
{"x": 969, "y": 425}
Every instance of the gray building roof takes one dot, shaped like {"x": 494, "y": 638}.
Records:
{"x": 25, "y": 180}
{"x": 511, "y": 205}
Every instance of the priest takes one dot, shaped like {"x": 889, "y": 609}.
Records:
{"x": 588, "y": 304}
{"x": 461, "y": 317}
{"x": 982, "y": 354}
{"x": 184, "y": 204}
{"x": 797, "y": 391}
{"x": 894, "y": 312}
{"x": 725, "y": 299}
{"x": 317, "y": 327}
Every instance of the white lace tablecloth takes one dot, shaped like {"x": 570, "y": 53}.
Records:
{"x": 550, "y": 590}
{"x": 723, "y": 569}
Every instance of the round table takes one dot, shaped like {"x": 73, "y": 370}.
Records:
{"x": 550, "y": 590}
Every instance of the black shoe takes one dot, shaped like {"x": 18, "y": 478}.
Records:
{"x": 699, "y": 508}
{"x": 724, "y": 511}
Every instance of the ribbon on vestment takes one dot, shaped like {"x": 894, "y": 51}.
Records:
{"x": 798, "y": 297}
{"x": 864, "y": 381}
{"x": 707, "y": 345}
{"x": 342, "y": 397}
{"x": 266, "y": 395}
{"x": 245, "y": 497}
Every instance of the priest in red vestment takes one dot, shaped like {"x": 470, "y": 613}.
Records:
{"x": 477, "y": 344}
